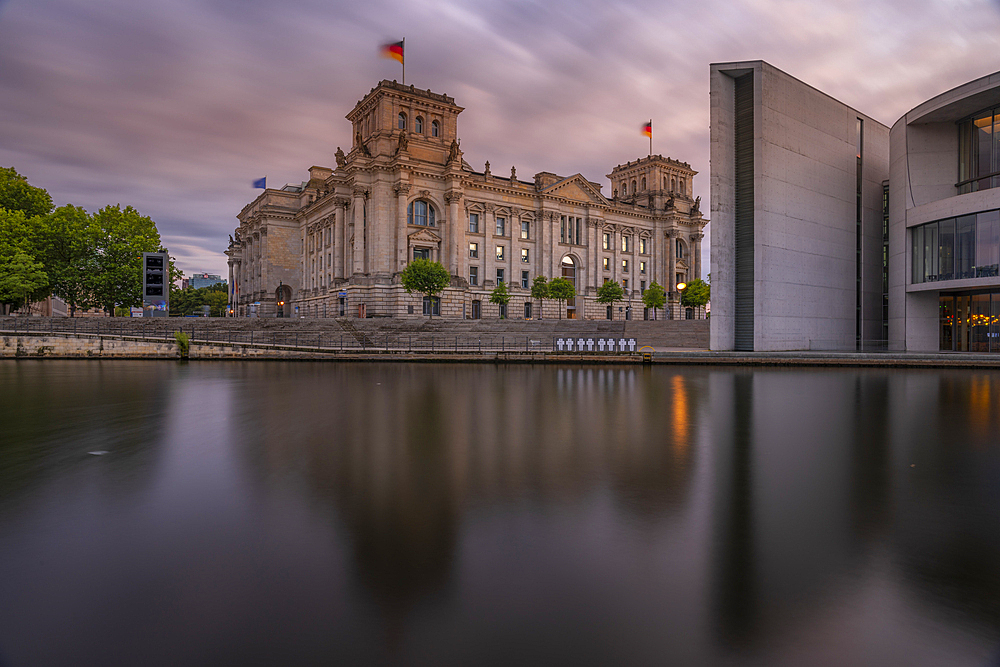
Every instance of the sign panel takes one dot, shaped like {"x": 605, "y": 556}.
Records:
{"x": 155, "y": 284}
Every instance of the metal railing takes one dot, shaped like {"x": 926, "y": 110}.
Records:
{"x": 325, "y": 341}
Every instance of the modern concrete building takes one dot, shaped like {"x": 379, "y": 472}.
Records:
{"x": 796, "y": 202}
{"x": 944, "y": 222}
{"x": 336, "y": 243}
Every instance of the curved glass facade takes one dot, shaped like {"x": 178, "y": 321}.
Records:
{"x": 979, "y": 152}
{"x": 956, "y": 248}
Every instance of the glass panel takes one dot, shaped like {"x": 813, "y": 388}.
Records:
{"x": 947, "y": 309}
{"x": 995, "y": 323}
{"x": 984, "y": 148}
{"x": 996, "y": 149}
{"x": 946, "y": 243}
{"x": 965, "y": 155}
{"x": 987, "y": 244}
{"x": 965, "y": 246}
{"x": 917, "y": 255}
{"x": 930, "y": 252}
{"x": 979, "y": 323}
{"x": 963, "y": 306}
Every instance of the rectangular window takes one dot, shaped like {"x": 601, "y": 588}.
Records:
{"x": 642, "y": 267}
{"x": 501, "y": 226}
{"x": 987, "y": 244}
{"x": 625, "y": 265}
{"x": 473, "y": 275}
{"x": 642, "y": 247}
{"x": 474, "y": 223}
{"x": 642, "y": 286}
{"x": 500, "y": 277}
{"x": 474, "y": 250}
{"x": 965, "y": 246}
{"x": 527, "y": 310}
{"x": 625, "y": 284}
{"x": 525, "y": 225}
{"x": 500, "y": 252}
{"x": 562, "y": 229}
{"x": 421, "y": 253}
{"x": 625, "y": 243}
{"x": 524, "y": 255}
{"x": 524, "y": 280}
{"x": 607, "y": 241}
{"x": 579, "y": 231}
{"x": 607, "y": 263}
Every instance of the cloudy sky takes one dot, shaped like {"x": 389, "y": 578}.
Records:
{"x": 176, "y": 106}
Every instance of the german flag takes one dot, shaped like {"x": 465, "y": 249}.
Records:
{"x": 394, "y": 51}
{"x": 647, "y": 129}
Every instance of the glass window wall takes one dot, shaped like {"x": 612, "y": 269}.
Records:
{"x": 979, "y": 151}
{"x": 970, "y": 322}
{"x": 956, "y": 248}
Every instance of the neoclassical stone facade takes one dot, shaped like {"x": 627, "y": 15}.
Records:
{"x": 335, "y": 244}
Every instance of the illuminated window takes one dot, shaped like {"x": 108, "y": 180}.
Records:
{"x": 524, "y": 255}
{"x": 500, "y": 252}
{"x": 474, "y": 250}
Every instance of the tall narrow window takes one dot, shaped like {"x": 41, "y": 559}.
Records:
{"x": 435, "y": 128}
{"x": 501, "y": 226}
{"x": 418, "y": 125}
{"x": 401, "y": 121}
{"x": 474, "y": 223}
{"x": 859, "y": 145}
{"x": 525, "y": 227}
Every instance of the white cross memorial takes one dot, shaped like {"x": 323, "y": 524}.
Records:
{"x": 631, "y": 344}
{"x": 590, "y": 345}
{"x": 559, "y": 344}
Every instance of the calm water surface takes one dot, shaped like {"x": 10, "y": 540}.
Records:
{"x": 286, "y": 514}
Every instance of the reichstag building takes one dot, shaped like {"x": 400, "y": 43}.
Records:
{"x": 334, "y": 245}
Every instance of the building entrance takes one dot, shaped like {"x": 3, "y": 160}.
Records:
{"x": 569, "y": 273}
{"x": 970, "y": 322}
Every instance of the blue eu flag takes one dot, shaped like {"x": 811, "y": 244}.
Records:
{"x": 260, "y": 183}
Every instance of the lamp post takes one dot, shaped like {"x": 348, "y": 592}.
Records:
{"x": 680, "y": 293}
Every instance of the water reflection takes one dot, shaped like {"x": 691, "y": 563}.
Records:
{"x": 452, "y": 514}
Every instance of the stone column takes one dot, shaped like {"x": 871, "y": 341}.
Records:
{"x": 593, "y": 252}
{"x": 490, "y": 258}
{"x": 358, "y": 259}
{"x": 402, "y": 191}
{"x": 616, "y": 242}
{"x": 671, "y": 267}
{"x": 455, "y": 232}
{"x": 696, "y": 250}
{"x": 340, "y": 237}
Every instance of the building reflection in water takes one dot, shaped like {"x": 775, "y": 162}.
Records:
{"x": 402, "y": 454}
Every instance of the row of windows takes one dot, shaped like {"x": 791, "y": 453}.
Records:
{"x": 501, "y": 226}
{"x": 955, "y": 248}
{"x": 607, "y": 265}
{"x": 670, "y": 185}
{"x": 500, "y": 253}
{"x": 418, "y": 124}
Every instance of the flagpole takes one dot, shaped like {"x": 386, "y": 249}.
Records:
{"x": 403, "y": 61}
{"x": 650, "y": 137}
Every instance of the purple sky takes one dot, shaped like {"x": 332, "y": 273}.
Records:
{"x": 174, "y": 107}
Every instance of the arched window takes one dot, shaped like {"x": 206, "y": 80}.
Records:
{"x": 634, "y": 190}
{"x": 681, "y": 184}
{"x": 624, "y": 189}
{"x": 673, "y": 184}
{"x": 420, "y": 213}
{"x": 680, "y": 249}
{"x": 643, "y": 183}
{"x": 418, "y": 125}
{"x": 435, "y": 128}
{"x": 401, "y": 121}
{"x": 664, "y": 182}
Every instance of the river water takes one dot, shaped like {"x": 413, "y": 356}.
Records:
{"x": 223, "y": 513}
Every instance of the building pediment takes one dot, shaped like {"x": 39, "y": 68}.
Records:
{"x": 424, "y": 236}
{"x": 577, "y": 188}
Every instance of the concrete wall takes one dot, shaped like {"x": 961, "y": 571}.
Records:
{"x": 804, "y": 210}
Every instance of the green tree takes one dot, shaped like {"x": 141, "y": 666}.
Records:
{"x": 501, "y": 297}
{"x": 697, "y": 294}
{"x": 426, "y": 277}
{"x": 69, "y": 249}
{"x": 610, "y": 292}
{"x": 16, "y": 194}
{"x": 22, "y": 281}
{"x": 540, "y": 291}
{"x": 122, "y": 235}
{"x": 654, "y": 297}
{"x": 561, "y": 290}
{"x": 16, "y": 234}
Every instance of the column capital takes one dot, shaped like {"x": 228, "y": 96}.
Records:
{"x": 360, "y": 191}
{"x": 342, "y": 202}
{"x": 697, "y": 236}
{"x": 672, "y": 233}
{"x": 453, "y": 196}
{"x": 401, "y": 189}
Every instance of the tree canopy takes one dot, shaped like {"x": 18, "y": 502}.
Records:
{"x": 697, "y": 294}
{"x": 122, "y": 236}
{"x": 426, "y": 277}
{"x": 654, "y": 297}
{"x": 22, "y": 280}
{"x": 610, "y": 292}
{"x": 186, "y": 301}
{"x": 540, "y": 291}
{"x": 16, "y": 194}
{"x": 561, "y": 290}
{"x": 500, "y": 296}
